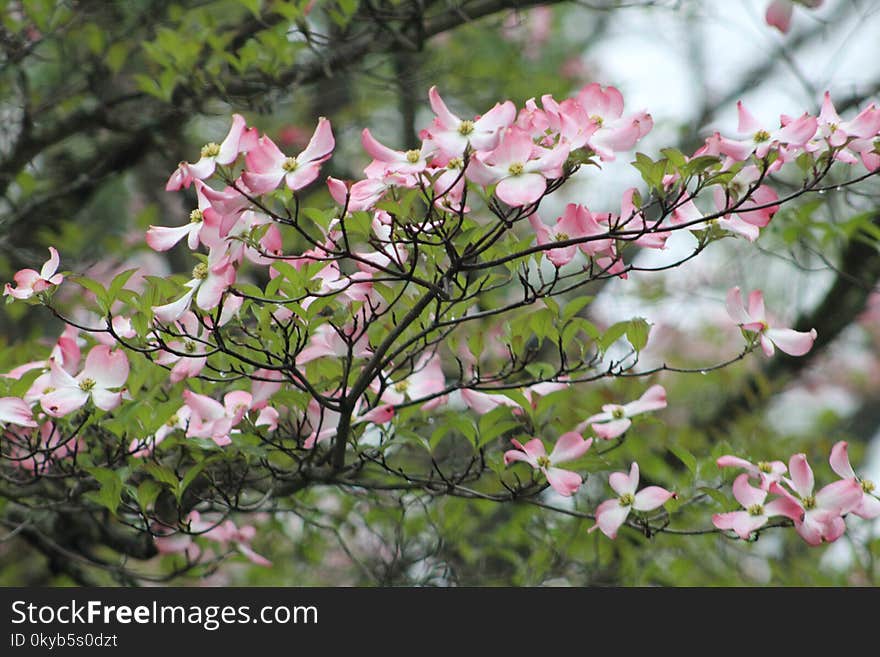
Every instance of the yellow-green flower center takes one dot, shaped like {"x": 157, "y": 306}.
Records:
{"x": 290, "y": 164}
{"x": 561, "y": 237}
{"x": 516, "y": 169}
{"x": 765, "y": 467}
{"x": 761, "y": 136}
{"x": 809, "y": 502}
{"x": 867, "y": 485}
{"x": 543, "y": 461}
{"x": 465, "y": 128}
{"x": 413, "y": 156}
{"x": 189, "y": 346}
{"x": 455, "y": 163}
{"x": 195, "y": 216}
{"x": 87, "y": 384}
{"x": 598, "y": 120}
{"x": 172, "y": 421}
{"x": 618, "y": 413}
{"x": 211, "y": 149}
{"x": 756, "y": 510}
{"x": 48, "y": 389}
{"x": 200, "y": 271}
{"x": 626, "y": 499}
{"x": 401, "y": 386}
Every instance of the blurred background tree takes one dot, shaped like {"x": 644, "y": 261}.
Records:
{"x": 100, "y": 100}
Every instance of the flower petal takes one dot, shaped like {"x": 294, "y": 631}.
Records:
{"x": 570, "y": 446}
{"x": 801, "y": 475}
{"x": 651, "y": 498}
{"x": 62, "y": 401}
{"x": 564, "y": 482}
{"x": 745, "y": 493}
{"x": 610, "y": 515}
{"x": 840, "y": 460}
{"x": 521, "y": 190}
{"x": 794, "y": 343}
{"x": 624, "y": 484}
{"x": 108, "y": 369}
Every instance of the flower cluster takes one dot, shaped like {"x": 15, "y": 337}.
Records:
{"x": 818, "y": 515}
{"x": 353, "y": 263}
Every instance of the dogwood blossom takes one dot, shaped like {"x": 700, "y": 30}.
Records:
{"x": 794, "y": 343}
{"x": 757, "y": 512}
{"x": 29, "y": 282}
{"x": 239, "y": 139}
{"x": 611, "y": 514}
{"x": 266, "y": 166}
{"x": 869, "y": 505}
{"x": 104, "y": 371}
{"x": 821, "y": 520}
{"x": 568, "y": 447}
{"x": 615, "y": 419}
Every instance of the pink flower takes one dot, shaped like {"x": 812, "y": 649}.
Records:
{"x": 611, "y": 514}
{"x": 569, "y": 447}
{"x": 869, "y": 505}
{"x": 388, "y": 161}
{"x": 227, "y": 532}
{"x": 425, "y": 380}
{"x": 104, "y": 370}
{"x": 633, "y": 219}
{"x": 850, "y": 138}
{"x": 614, "y": 419}
{"x": 822, "y": 513}
{"x": 756, "y": 513}
{"x": 211, "y": 419}
{"x": 240, "y": 139}
{"x": 794, "y": 343}
{"x": 265, "y": 383}
{"x": 751, "y": 214}
{"x": 482, "y": 402}
{"x": 576, "y": 222}
{"x": 324, "y": 421}
{"x": 15, "y": 411}
{"x": 793, "y": 135}
{"x": 779, "y": 12}
{"x": 453, "y": 135}
{"x": 163, "y": 238}
{"x": 519, "y": 167}
{"x": 327, "y": 341}
{"x": 209, "y": 282}
{"x": 187, "y": 352}
{"x": 267, "y": 166}
{"x": 767, "y": 472}
{"x": 613, "y": 133}
{"x": 29, "y": 282}
{"x": 66, "y": 351}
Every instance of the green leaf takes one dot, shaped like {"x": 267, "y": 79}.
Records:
{"x": 716, "y": 495}
{"x": 612, "y": 334}
{"x": 147, "y": 492}
{"x": 95, "y": 288}
{"x": 109, "y": 494}
{"x": 163, "y": 474}
{"x": 637, "y": 331}
{"x": 189, "y": 477}
{"x": 683, "y": 455}
{"x": 574, "y": 306}
{"x": 118, "y": 283}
